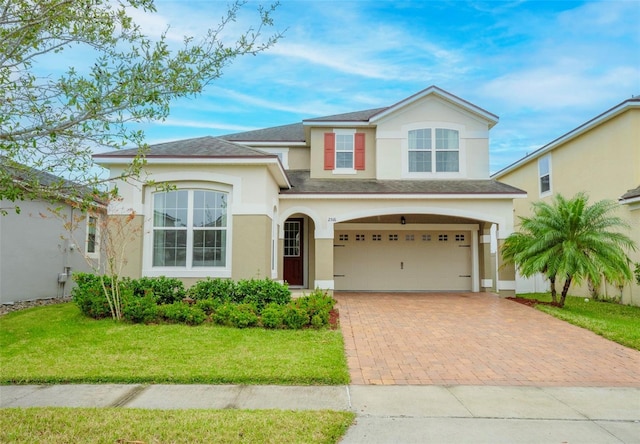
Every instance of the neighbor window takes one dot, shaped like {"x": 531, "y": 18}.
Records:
{"x": 190, "y": 229}
{"x": 92, "y": 230}
{"x": 424, "y": 154}
{"x": 544, "y": 173}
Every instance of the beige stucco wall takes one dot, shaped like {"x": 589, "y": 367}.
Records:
{"x": 317, "y": 155}
{"x": 299, "y": 158}
{"x": 392, "y": 145}
{"x": 251, "y": 247}
{"x": 603, "y": 162}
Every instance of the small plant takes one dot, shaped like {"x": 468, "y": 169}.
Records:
{"x": 637, "y": 273}
{"x": 318, "y": 306}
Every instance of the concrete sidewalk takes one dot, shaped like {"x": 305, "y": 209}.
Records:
{"x": 390, "y": 414}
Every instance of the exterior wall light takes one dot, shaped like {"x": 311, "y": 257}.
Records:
{"x": 403, "y": 221}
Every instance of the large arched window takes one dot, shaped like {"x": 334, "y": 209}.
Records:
{"x": 189, "y": 229}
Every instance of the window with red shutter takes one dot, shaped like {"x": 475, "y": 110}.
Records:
{"x": 329, "y": 151}
{"x": 359, "y": 151}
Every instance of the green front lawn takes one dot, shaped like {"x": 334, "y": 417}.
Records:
{"x": 67, "y": 425}
{"x": 619, "y": 323}
{"x": 56, "y": 344}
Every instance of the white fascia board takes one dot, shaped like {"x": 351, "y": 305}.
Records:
{"x": 338, "y": 124}
{"x": 629, "y": 201}
{"x": 598, "y": 120}
{"x": 400, "y": 196}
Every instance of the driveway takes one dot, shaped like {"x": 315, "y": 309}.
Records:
{"x": 473, "y": 339}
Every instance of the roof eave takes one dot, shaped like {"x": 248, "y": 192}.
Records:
{"x": 587, "y": 126}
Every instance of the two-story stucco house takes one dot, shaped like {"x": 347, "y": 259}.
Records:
{"x": 600, "y": 157}
{"x": 394, "y": 198}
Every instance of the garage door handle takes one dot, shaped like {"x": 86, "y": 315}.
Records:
{"x": 464, "y": 275}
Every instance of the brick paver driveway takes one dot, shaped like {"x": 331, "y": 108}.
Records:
{"x": 475, "y": 339}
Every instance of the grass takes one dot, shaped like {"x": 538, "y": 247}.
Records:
{"x": 57, "y": 344}
{"x": 619, "y": 323}
{"x": 66, "y": 425}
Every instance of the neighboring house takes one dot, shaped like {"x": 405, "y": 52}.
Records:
{"x": 395, "y": 198}
{"x": 40, "y": 248}
{"x": 600, "y": 157}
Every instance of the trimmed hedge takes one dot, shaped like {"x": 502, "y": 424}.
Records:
{"x": 246, "y": 303}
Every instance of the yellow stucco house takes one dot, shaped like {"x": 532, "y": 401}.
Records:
{"x": 600, "y": 157}
{"x": 394, "y": 198}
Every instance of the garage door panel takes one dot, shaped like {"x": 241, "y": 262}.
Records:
{"x": 404, "y": 260}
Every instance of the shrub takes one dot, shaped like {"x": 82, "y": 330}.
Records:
{"x": 295, "y": 317}
{"x": 261, "y": 292}
{"x": 139, "y": 309}
{"x": 166, "y": 290}
{"x": 220, "y": 290}
{"x": 180, "y": 312}
{"x": 88, "y": 295}
{"x": 272, "y": 315}
{"x": 222, "y": 315}
{"x": 236, "y": 315}
{"x": 317, "y": 305}
{"x": 209, "y": 306}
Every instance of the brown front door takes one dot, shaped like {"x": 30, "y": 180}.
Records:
{"x": 293, "y": 266}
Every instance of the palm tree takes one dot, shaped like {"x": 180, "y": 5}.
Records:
{"x": 573, "y": 240}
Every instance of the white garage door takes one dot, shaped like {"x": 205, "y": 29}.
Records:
{"x": 402, "y": 260}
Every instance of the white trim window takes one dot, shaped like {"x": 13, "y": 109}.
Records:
{"x": 420, "y": 150}
{"x": 190, "y": 229}
{"x": 91, "y": 244}
{"x": 423, "y": 155}
{"x": 344, "y": 149}
{"x": 544, "y": 175}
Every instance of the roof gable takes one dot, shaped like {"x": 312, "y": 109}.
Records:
{"x": 490, "y": 118}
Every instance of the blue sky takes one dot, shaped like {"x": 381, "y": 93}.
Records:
{"x": 544, "y": 67}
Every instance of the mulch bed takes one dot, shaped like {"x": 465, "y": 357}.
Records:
{"x": 21, "y": 305}
{"x": 532, "y": 302}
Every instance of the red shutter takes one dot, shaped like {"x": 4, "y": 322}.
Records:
{"x": 359, "y": 151}
{"x": 329, "y": 151}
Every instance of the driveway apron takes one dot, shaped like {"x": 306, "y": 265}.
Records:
{"x": 474, "y": 339}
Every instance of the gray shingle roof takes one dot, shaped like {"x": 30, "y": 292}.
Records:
{"x": 301, "y": 183}
{"x": 285, "y": 133}
{"x": 356, "y": 116}
{"x": 630, "y": 194}
{"x": 199, "y": 147}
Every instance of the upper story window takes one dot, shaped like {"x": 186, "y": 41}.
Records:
{"x": 344, "y": 151}
{"x": 544, "y": 175}
{"x": 189, "y": 229}
{"x": 424, "y": 154}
